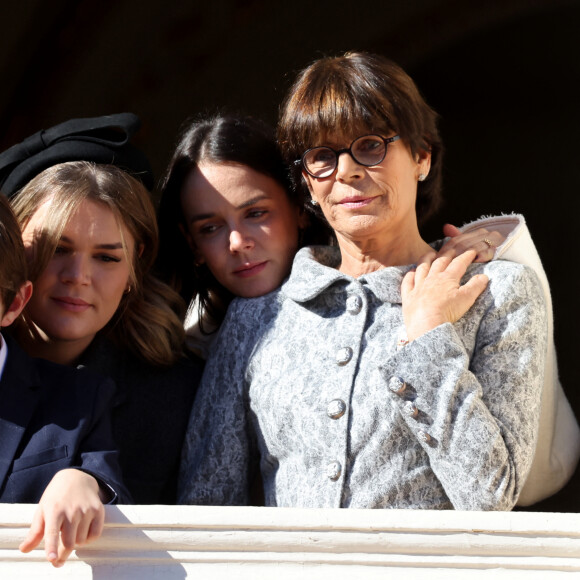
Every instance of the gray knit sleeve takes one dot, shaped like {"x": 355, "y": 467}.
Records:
{"x": 473, "y": 402}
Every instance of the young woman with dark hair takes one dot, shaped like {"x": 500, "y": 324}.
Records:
{"x": 229, "y": 220}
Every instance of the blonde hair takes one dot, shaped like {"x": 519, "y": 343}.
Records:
{"x": 149, "y": 317}
{"x": 13, "y": 269}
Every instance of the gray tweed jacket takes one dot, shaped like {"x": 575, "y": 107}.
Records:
{"x": 309, "y": 381}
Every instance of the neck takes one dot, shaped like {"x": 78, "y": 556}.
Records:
{"x": 368, "y": 255}
{"x": 38, "y": 345}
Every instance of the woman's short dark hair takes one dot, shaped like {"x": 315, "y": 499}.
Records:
{"x": 217, "y": 139}
{"x": 360, "y": 93}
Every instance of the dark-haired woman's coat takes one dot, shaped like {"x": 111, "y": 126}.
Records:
{"x": 150, "y": 414}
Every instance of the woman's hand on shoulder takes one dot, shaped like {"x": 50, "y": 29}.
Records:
{"x": 432, "y": 293}
{"x": 70, "y": 513}
{"x": 482, "y": 241}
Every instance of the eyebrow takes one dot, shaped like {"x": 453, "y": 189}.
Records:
{"x": 204, "y": 216}
{"x": 115, "y": 246}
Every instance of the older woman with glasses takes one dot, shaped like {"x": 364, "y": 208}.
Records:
{"x": 366, "y": 381}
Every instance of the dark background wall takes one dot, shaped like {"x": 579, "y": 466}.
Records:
{"x": 505, "y": 76}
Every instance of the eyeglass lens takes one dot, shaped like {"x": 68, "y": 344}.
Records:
{"x": 367, "y": 150}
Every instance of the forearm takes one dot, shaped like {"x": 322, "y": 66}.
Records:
{"x": 480, "y": 460}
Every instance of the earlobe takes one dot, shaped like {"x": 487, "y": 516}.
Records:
{"x": 423, "y": 164}
{"x": 306, "y": 179}
{"x": 20, "y": 300}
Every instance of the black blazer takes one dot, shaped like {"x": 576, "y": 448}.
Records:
{"x": 150, "y": 414}
{"x": 53, "y": 417}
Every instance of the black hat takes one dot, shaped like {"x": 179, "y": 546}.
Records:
{"x": 99, "y": 139}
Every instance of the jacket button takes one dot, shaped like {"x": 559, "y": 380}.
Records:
{"x": 343, "y": 355}
{"x": 354, "y": 304}
{"x": 397, "y": 385}
{"x": 410, "y": 409}
{"x": 336, "y": 408}
{"x": 333, "y": 470}
{"x": 424, "y": 436}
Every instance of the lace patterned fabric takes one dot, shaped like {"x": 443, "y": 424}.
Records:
{"x": 306, "y": 382}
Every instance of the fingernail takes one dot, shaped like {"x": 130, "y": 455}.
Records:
{"x": 52, "y": 556}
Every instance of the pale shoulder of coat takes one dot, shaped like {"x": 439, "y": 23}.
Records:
{"x": 511, "y": 288}
{"x": 517, "y": 246}
{"x": 506, "y": 277}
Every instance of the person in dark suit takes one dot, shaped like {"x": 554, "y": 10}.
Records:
{"x": 56, "y": 444}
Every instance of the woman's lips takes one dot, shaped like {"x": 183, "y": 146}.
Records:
{"x": 355, "y": 202}
{"x": 248, "y": 270}
{"x": 71, "y": 304}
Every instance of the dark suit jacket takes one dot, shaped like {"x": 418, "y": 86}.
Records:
{"x": 53, "y": 417}
{"x": 150, "y": 415}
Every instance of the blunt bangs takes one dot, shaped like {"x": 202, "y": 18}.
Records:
{"x": 355, "y": 94}
{"x": 333, "y": 101}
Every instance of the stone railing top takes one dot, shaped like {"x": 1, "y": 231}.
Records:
{"x": 173, "y": 542}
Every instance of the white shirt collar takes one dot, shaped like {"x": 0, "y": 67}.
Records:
{"x": 3, "y": 354}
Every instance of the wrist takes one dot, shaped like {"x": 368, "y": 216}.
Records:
{"x": 105, "y": 492}
{"x": 416, "y": 330}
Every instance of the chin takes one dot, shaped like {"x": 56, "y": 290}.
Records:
{"x": 256, "y": 291}
{"x": 251, "y": 293}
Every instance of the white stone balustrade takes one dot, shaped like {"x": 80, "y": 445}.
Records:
{"x": 175, "y": 542}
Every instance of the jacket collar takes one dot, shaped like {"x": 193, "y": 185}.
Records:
{"x": 314, "y": 271}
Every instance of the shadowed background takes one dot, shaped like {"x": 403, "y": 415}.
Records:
{"x": 504, "y": 75}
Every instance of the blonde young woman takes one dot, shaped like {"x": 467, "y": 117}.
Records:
{"x": 91, "y": 237}
{"x": 57, "y": 445}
